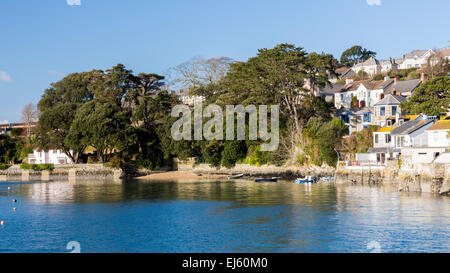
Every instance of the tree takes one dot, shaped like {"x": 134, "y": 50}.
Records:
{"x": 232, "y": 152}
{"x": 30, "y": 114}
{"x": 322, "y": 139}
{"x": 356, "y": 54}
{"x": 432, "y": 98}
{"x": 275, "y": 76}
{"x": 58, "y": 105}
{"x": 102, "y": 125}
{"x": 198, "y": 72}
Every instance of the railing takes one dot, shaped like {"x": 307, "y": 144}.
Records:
{"x": 364, "y": 163}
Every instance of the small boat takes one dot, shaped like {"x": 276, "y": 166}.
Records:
{"x": 327, "y": 178}
{"x": 236, "y": 176}
{"x": 273, "y": 179}
{"x": 306, "y": 179}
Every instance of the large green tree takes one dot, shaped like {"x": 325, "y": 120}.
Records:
{"x": 58, "y": 105}
{"x": 102, "y": 125}
{"x": 356, "y": 54}
{"x": 432, "y": 98}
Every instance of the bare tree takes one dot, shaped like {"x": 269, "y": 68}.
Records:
{"x": 198, "y": 72}
{"x": 30, "y": 114}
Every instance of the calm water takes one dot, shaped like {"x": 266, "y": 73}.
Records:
{"x": 239, "y": 216}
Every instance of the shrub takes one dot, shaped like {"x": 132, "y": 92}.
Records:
{"x": 4, "y": 166}
{"x": 37, "y": 167}
{"x": 232, "y": 152}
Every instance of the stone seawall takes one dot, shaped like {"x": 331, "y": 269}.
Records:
{"x": 71, "y": 172}
{"x": 290, "y": 172}
{"x": 429, "y": 178}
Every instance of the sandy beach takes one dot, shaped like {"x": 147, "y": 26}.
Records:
{"x": 182, "y": 176}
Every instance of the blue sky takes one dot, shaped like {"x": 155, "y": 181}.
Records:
{"x": 43, "y": 40}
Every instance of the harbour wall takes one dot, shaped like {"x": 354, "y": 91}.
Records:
{"x": 406, "y": 177}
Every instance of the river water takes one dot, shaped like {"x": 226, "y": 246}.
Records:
{"x": 227, "y": 216}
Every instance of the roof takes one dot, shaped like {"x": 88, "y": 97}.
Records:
{"x": 407, "y": 86}
{"x": 411, "y": 126}
{"x": 391, "y": 99}
{"x": 385, "y": 129}
{"x": 331, "y": 89}
{"x": 444, "y": 52}
{"x": 369, "y": 84}
{"x": 411, "y": 117}
{"x": 440, "y": 125}
{"x": 418, "y": 53}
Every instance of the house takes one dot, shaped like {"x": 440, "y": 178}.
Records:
{"x": 366, "y": 93}
{"x": 403, "y": 88}
{"x": 439, "y": 133}
{"x": 52, "y": 156}
{"x": 444, "y": 53}
{"x": 383, "y": 147}
{"x": 356, "y": 119}
{"x": 412, "y": 133}
{"x": 415, "y": 59}
{"x": 327, "y": 92}
{"x": 372, "y": 66}
{"x": 188, "y": 99}
{"x": 388, "y": 106}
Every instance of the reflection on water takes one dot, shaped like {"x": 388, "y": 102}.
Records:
{"x": 228, "y": 216}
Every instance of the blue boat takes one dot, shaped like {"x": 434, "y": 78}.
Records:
{"x": 273, "y": 179}
{"x": 306, "y": 179}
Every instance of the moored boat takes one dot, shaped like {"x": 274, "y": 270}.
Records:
{"x": 236, "y": 176}
{"x": 306, "y": 179}
{"x": 273, "y": 179}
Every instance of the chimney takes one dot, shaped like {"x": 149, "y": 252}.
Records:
{"x": 423, "y": 77}
{"x": 395, "y": 80}
{"x": 394, "y": 92}
{"x": 348, "y": 81}
{"x": 381, "y": 96}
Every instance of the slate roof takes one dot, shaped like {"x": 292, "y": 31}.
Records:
{"x": 391, "y": 99}
{"x": 418, "y": 53}
{"x": 331, "y": 89}
{"x": 407, "y": 86}
{"x": 411, "y": 126}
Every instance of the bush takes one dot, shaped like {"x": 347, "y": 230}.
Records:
{"x": 232, "y": 152}
{"x": 4, "y": 166}
{"x": 37, "y": 167}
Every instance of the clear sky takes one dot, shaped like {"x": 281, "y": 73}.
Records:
{"x": 43, "y": 40}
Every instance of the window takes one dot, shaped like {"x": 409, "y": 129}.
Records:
{"x": 400, "y": 141}
{"x": 389, "y": 122}
{"x": 387, "y": 138}
{"x": 376, "y": 138}
{"x": 382, "y": 111}
{"x": 367, "y": 117}
{"x": 436, "y": 136}
{"x": 394, "y": 110}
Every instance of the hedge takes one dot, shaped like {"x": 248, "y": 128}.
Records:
{"x": 38, "y": 167}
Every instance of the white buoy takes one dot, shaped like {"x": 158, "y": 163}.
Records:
{"x": 14, "y": 200}
{"x": 14, "y": 209}
{"x": 2, "y": 223}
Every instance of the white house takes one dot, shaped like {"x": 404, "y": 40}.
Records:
{"x": 412, "y": 133}
{"x": 438, "y": 134}
{"x": 372, "y": 66}
{"x": 415, "y": 59}
{"x": 55, "y": 157}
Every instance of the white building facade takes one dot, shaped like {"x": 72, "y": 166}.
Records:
{"x": 56, "y": 157}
